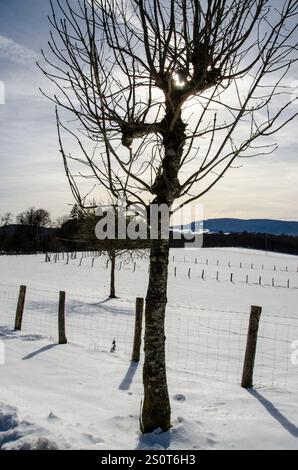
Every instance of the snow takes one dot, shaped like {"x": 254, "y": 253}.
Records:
{"x": 82, "y": 396}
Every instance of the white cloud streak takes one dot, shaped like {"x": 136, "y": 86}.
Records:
{"x": 10, "y": 50}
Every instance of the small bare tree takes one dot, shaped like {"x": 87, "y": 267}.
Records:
{"x": 6, "y": 219}
{"x": 118, "y": 249}
{"x": 113, "y": 248}
{"x": 169, "y": 93}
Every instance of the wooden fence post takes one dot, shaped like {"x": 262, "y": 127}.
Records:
{"x": 138, "y": 330}
{"x": 61, "y": 319}
{"x": 20, "y": 309}
{"x": 251, "y": 346}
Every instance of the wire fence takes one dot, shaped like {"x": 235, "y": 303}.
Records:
{"x": 248, "y": 265}
{"x": 207, "y": 341}
{"x": 195, "y": 269}
{"x": 189, "y": 260}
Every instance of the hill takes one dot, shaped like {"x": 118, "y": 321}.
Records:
{"x": 231, "y": 225}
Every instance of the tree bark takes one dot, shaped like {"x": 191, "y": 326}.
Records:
{"x": 156, "y": 411}
{"x": 112, "y": 283}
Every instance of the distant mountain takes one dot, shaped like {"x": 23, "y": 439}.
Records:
{"x": 273, "y": 227}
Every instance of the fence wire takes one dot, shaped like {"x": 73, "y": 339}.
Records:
{"x": 8, "y": 304}
{"x": 207, "y": 341}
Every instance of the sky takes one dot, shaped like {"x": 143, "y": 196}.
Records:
{"x": 31, "y": 169}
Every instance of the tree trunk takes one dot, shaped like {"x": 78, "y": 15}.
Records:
{"x": 112, "y": 283}
{"x": 156, "y": 411}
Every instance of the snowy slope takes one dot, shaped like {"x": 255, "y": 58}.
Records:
{"x": 72, "y": 398}
{"x": 82, "y": 396}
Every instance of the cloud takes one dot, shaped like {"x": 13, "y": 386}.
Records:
{"x": 15, "y": 52}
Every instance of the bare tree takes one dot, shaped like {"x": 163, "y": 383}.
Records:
{"x": 78, "y": 213}
{"x": 36, "y": 218}
{"x": 116, "y": 249}
{"x": 113, "y": 248}
{"x": 167, "y": 94}
{"x": 6, "y": 219}
{"x": 113, "y": 254}
{"x": 33, "y": 216}
{"x": 60, "y": 221}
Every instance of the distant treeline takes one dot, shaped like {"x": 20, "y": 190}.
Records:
{"x": 257, "y": 241}
{"x": 25, "y": 239}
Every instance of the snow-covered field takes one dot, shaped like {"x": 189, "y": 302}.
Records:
{"x": 81, "y": 395}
